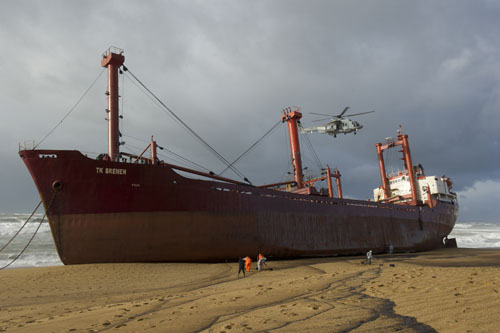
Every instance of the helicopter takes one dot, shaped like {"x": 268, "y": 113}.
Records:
{"x": 339, "y": 124}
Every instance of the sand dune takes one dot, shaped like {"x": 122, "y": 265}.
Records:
{"x": 447, "y": 291}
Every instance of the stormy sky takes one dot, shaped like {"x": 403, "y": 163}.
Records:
{"x": 228, "y": 68}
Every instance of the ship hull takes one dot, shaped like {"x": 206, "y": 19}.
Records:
{"x": 102, "y": 211}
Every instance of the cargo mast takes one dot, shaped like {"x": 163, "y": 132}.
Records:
{"x": 403, "y": 142}
{"x": 291, "y": 117}
{"x": 112, "y": 59}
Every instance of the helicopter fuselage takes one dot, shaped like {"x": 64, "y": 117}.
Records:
{"x": 334, "y": 127}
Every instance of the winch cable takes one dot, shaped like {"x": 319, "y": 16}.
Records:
{"x": 24, "y": 224}
{"x": 70, "y": 110}
{"x": 34, "y": 234}
{"x": 252, "y": 147}
{"x": 189, "y": 129}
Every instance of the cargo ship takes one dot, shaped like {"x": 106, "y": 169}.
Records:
{"x": 121, "y": 207}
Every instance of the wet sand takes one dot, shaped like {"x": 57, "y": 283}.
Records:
{"x": 450, "y": 290}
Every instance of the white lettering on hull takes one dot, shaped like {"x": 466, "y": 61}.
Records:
{"x": 111, "y": 171}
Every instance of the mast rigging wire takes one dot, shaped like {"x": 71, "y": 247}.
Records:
{"x": 246, "y": 152}
{"x": 70, "y": 110}
{"x": 189, "y": 129}
{"x": 183, "y": 159}
{"x": 311, "y": 147}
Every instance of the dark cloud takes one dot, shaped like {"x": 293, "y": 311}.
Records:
{"x": 229, "y": 67}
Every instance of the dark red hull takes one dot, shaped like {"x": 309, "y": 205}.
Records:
{"x": 122, "y": 212}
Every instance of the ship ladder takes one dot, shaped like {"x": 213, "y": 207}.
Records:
{"x": 32, "y": 237}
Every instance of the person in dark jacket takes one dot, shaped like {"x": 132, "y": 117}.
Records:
{"x": 241, "y": 266}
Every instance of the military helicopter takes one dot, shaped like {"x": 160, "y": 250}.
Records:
{"x": 339, "y": 124}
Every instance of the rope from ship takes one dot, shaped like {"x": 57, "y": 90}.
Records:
{"x": 24, "y": 224}
{"x": 34, "y": 234}
{"x": 186, "y": 127}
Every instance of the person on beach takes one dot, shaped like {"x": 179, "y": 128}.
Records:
{"x": 369, "y": 257}
{"x": 241, "y": 266}
{"x": 261, "y": 262}
{"x": 248, "y": 263}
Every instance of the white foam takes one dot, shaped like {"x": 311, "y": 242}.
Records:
{"x": 477, "y": 235}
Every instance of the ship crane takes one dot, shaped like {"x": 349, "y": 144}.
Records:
{"x": 292, "y": 117}
{"x": 411, "y": 186}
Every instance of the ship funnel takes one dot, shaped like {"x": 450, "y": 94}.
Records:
{"x": 113, "y": 58}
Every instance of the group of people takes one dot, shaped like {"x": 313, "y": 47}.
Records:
{"x": 245, "y": 264}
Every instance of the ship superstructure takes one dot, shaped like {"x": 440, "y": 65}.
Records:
{"x": 411, "y": 185}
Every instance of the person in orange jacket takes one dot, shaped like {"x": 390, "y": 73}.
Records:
{"x": 248, "y": 263}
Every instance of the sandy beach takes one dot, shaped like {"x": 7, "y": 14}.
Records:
{"x": 450, "y": 290}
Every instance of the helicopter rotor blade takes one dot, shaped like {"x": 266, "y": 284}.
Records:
{"x": 322, "y": 114}
{"x": 322, "y": 119}
{"x": 346, "y": 108}
{"x": 357, "y": 114}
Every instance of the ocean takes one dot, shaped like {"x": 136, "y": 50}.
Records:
{"x": 42, "y": 251}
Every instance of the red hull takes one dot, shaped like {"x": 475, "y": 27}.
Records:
{"x": 123, "y": 212}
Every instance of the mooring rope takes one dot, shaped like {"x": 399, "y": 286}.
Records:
{"x": 17, "y": 233}
{"x": 34, "y": 234}
{"x": 31, "y": 239}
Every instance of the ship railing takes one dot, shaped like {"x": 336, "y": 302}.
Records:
{"x": 234, "y": 186}
{"x": 112, "y": 49}
{"x": 263, "y": 192}
{"x": 27, "y": 145}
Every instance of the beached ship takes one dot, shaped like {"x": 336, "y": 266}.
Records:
{"x": 126, "y": 208}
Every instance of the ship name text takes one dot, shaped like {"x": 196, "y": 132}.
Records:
{"x": 111, "y": 171}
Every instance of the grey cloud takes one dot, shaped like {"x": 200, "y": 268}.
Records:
{"x": 229, "y": 67}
